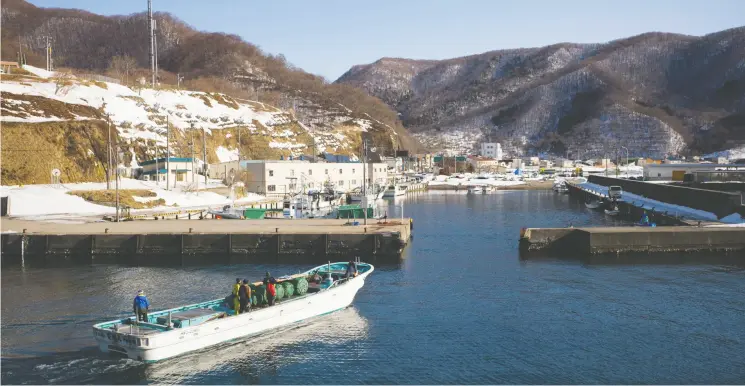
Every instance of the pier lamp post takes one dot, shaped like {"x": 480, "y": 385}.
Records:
{"x": 627, "y": 159}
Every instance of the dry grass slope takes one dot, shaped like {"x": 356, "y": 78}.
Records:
{"x": 31, "y": 150}
{"x": 126, "y": 197}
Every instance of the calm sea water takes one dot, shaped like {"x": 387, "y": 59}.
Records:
{"x": 461, "y": 308}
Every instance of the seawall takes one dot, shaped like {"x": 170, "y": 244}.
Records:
{"x": 619, "y": 240}
{"x": 203, "y": 241}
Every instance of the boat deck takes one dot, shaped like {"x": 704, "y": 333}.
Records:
{"x": 133, "y": 329}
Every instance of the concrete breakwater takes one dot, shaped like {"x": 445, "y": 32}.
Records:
{"x": 619, "y": 240}
{"x": 629, "y": 209}
{"x": 205, "y": 241}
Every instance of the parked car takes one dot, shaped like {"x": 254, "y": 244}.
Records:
{"x": 615, "y": 192}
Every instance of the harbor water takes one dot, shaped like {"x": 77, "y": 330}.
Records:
{"x": 462, "y": 307}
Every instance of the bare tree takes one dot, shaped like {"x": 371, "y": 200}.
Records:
{"x": 122, "y": 66}
{"x": 63, "y": 82}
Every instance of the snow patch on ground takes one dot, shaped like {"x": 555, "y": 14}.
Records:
{"x": 39, "y": 71}
{"x": 226, "y": 155}
{"x": 40, "y": 200}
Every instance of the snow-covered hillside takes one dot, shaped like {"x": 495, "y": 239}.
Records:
{"x": 140, "y": 115}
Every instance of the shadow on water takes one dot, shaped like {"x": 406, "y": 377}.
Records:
{"x": 736, "y": 260}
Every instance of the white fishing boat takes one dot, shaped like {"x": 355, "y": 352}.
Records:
{"x": 395, "y": 190}
{"x": 593, "y": 204}
{"x": 475, "y": 190}
{"x": 560, "y": 186}
{"x": 180, "y": 330}
{"x": 370, "y": 192}
{"x": 227, "y": 212}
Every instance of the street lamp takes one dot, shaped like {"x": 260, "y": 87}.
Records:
{"x": 627, "y": 159}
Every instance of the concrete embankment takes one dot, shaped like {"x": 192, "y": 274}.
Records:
{"x": 630, "y": 209}
{"x": 204, "y": 241}
{"x": 720, "y": 203}
{"x": 577, "y": 242}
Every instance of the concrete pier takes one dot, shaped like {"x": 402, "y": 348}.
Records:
{"x": 619, "y": 240}
{"x": 199, "y": 241}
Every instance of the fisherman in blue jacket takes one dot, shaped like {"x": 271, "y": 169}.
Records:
{"x": 140, "y": 306}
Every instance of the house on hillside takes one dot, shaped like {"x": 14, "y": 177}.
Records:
{"x": 176, "y": 170}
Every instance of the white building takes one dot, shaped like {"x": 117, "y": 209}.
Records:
{"x": 180, "y": 170}
{"x": 277, "y": 178}
{"x": 676, "y": 172}
{"x": 491, "y": 150}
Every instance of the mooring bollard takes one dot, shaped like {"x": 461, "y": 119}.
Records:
{"x": 276, "y": 230}
{"x": 365, "y": 229}
{"x": 106, "y": 230}
{"x": 190, "y": 229}
{"x": 24, "y": 230}
{"x": 189, "y": 216}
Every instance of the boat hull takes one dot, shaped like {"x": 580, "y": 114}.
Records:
{"x": 179, "y": 341}
{"x": 397, "y": 192}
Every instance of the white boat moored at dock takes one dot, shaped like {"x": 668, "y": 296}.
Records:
{"x": 176, "y": 331}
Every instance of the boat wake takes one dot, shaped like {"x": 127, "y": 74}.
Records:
{"x": 77, "y": 367}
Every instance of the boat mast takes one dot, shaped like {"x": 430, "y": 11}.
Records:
{"x": 364, "y": 174}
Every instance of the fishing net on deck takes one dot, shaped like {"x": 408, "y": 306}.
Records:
{"x": 289, "y": 288}
{"x": 280, "y": 291}
{"x": 259, "y": 292}
{"x": 301, "y": 286}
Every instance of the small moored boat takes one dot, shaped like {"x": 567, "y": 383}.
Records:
{"x": 176, "y": 331}
{"x": 593, "y": 204}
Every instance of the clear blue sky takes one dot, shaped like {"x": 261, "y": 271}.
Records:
{"x": 327, "y": 37}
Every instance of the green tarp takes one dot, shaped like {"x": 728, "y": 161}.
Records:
{"x": 254, "y": 213}
{"x": 353, "y": 211}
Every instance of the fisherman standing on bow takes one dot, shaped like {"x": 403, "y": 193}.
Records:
{"x": 140, "y": 306}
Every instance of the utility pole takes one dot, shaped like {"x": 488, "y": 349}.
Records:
{"x": 191, "y": 148}
{"x": 168, "y": 155}
{"x": 20, "y": 51}
{"x": 47, "y": 52}
{"x": 239, "y": 147}
{"x": 116, "y": 175}
{"x": 157, "y": 174}
{"x": 155, "y": 50}
{"x": 364, "y": 179}
{"x": 108, "y": 147}
{"x": 152, "y": 45}
{"x": 204, "y": 155}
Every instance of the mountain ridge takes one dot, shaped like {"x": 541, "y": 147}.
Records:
{"x": 524, "y": 97}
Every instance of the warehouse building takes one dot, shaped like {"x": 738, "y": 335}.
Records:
{"x": 280, "y": 177}
{"x": 677, "y": 172}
